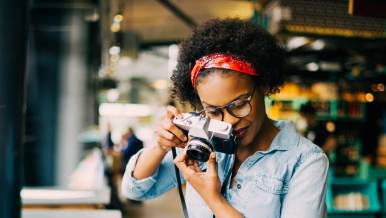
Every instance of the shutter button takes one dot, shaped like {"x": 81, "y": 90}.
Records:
{"x": 238, "y": 186}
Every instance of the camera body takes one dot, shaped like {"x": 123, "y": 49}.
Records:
{"x": 206, "y": 135}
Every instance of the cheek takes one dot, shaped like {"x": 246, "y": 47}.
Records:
{"x": 255, "y": 120}
{"x": 257, "y": 115}
{"x": 258, "y": 110}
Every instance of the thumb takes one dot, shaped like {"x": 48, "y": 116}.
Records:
{"x": 211, "y": 167}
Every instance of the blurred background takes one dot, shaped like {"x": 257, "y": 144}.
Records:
{"x": 84, "y": 82}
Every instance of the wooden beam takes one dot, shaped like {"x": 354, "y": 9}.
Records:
{"x": 367, "y": 8}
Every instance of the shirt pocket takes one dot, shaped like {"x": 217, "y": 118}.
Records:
{"x": 264, "y": 191}
{"x": 270, "y": 184}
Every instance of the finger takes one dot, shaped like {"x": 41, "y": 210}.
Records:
{"x": 179, "y": 161}
{"x": 168, "y": 136}
{"x": 211, "y": 169}
{"x": 171, "y": 112}
{"x": 189, "y": 162}
{"x": 193, "y": 164}
{"x": 181, "y": 157}
{"x": 196, "y": 164}
{"x": 196, "y": 168}
{"x": 164, "y": 142}
{"x": 182, "y": 145}
{"x": 169, "y": 126}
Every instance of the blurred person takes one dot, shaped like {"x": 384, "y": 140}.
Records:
{"x": 224, "y": 70}
{"x": 131, "y": 144}
{"x": 107, "y": 141}
{"x": 113, "y": 169}
{"x": 112, "y": 157}
{"x": 316, "y": 131}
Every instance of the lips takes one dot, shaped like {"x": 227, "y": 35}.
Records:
{"x": 239, "y": 133}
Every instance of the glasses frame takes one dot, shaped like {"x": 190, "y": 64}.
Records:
{"x": 228, "y": 107}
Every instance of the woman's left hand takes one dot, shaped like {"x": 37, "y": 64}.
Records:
{"x": 207, "y": 184}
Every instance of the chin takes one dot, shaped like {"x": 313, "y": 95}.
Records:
{"x": 248, "y": 138}
{"x": 244, "y": 142}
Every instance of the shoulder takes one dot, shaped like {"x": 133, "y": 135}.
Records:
{"x": 300, "y": 149}
{"x": 292, "y": 141}
{"x": 307, "y": 148}
{"x": 310, "y": 161}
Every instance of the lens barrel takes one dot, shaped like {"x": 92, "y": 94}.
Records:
{"x": 199, "y": 149}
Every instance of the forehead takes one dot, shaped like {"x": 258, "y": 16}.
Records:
{"x": 220, "y": 88}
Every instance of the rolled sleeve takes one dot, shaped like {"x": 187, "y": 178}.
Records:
{"x": 162, "y": 180}
{"x": 133, "y": 188}
{"x": 307, "y": 189}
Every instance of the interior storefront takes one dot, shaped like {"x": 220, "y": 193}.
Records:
{"x": 97, "y": 72}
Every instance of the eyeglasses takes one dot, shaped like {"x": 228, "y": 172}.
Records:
{"x": 239, "y": 108}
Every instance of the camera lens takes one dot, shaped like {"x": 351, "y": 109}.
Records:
{"x": 199, "y": 149}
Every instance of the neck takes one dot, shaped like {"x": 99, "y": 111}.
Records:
{"x": 262, "y": 140}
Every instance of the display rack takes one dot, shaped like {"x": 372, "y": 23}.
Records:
{"x": 334, "y": 110}
{"x": 347, "y": 155}
{"x": 383, "y": 188}
{"x": 344, "y": 114}
{"x": 350, "y": 197}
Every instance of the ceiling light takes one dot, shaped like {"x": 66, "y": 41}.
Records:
{"x": 115, "y": 27}
{"x": 318, "y": 44}
{"x": 114, "y": 50}
{"x": 369, "y": 97}
{"x": 118, "y": 18}
{"x": 312, "y": 66}
{"x": 296, "y": 42}
{"x": 381, "y": 87}
{"x": 330, "y": 126}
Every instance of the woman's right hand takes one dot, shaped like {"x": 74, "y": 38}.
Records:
{"x": 168, "y": 135}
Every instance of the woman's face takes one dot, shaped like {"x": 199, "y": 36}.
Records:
{"x": 218, "y": 89}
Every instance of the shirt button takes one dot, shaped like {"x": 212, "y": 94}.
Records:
{"x": 238, "y": 186}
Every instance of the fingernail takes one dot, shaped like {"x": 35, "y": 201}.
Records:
{"x": 213, "y": 155}
{"x": 185, "y": 139}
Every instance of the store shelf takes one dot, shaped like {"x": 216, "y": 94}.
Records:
{"x": 384, "y": 197}
{"x": 333, "y": 110}
{"x": 351, "y": 189}
{"x": 352, "y": 216}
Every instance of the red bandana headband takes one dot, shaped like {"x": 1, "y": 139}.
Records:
{"x": 222, "y": 61}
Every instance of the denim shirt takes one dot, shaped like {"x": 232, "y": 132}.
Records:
{"x": 288, "y": 180}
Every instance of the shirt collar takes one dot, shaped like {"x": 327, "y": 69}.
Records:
{"x": 285, "y": 139}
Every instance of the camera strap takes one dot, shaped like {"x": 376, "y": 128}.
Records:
{"x": 224, "y": 185}
{"x": 180, "y": 192}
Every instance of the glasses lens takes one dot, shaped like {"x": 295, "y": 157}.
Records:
{"x": 240, "y": 108}
{"x": 214, "y": 113}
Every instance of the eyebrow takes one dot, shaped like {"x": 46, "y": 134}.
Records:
{"x": 237, "y": 98}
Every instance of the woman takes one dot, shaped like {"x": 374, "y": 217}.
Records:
{"x": 224, "y": 70}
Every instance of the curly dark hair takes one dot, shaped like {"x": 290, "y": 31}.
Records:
{"x": 240, "y": 38}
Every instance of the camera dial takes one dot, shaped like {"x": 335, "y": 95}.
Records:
{"x": 206, "y": 136}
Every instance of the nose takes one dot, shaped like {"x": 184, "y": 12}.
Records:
{"x": 229, "y": 118}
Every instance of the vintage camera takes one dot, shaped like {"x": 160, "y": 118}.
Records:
{"x": 206, "y": 135}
